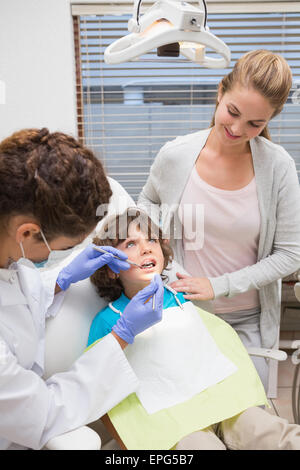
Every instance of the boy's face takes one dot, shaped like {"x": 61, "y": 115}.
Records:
{"x": 145, "y": 252}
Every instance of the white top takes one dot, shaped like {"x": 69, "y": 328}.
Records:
{"x": 226, "y": 225}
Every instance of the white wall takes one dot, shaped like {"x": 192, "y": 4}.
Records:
{"x": 37, "y": 66}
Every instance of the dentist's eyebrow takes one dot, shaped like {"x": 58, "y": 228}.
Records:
{"x": 256, "y": 120}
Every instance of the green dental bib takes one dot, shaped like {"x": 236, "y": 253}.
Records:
{"x": 163, "y": 429}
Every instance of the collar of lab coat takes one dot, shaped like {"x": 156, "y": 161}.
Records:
{"x": 10, "y": 292}
{"x": 7, "y": 274}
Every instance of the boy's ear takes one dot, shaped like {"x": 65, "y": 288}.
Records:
{"x": 166, "y": 241}
{"x": 111, "y": 274}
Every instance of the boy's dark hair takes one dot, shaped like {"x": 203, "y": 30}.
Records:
{"x": 116, "y": 231}
{"x": 53, "y": 178}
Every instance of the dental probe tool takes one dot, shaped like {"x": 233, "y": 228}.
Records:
{"x": 153, "y": 302}
{"x": 117, "y": 257}
{"x": 174, "y": 292}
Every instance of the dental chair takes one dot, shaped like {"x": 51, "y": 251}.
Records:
{"x": 80, "y": 305}
{"x": 296, "y": 360}
{"x": 292, "y": 311}
{"x": 297, "y": 287}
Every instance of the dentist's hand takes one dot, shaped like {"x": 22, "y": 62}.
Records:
{"x": 88, "y": 261}
{"x": 138, "y": 315}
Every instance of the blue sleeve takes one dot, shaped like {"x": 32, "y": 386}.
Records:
{"x": 102, "y": 325}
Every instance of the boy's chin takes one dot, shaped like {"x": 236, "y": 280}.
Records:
{"x": 149, "y": 276}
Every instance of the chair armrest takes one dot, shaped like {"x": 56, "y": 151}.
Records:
{"x": 297, "y": 290}
{"x": 289, "y": 343}
{"x": 269, "y": 353}
{"x": 83, "y": 438}
{"x": 292, "y": 344}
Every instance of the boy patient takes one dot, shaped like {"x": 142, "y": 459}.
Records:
{"x": 198, "y": 387}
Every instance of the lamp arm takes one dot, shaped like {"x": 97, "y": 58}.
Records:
{"x": 205, "y": 11}
{"x": 136, "y": 11}
{"x": 137, "y": 6}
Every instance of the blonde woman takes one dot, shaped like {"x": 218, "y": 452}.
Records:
{"x": 245, "y": 192}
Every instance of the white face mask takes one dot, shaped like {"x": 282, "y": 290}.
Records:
{"x": 56, "y": 256}
{"x": 39, "y": 264}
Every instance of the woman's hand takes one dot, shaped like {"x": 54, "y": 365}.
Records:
{"x": 198, "y": 288}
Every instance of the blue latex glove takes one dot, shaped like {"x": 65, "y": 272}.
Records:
{"x": 138, "y": 315}
{"x": 88, "y": 261}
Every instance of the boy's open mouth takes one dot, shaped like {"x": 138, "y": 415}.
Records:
{"x": 148, "y": 264}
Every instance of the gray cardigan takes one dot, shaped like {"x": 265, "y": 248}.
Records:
{"x": 278, "y": 194}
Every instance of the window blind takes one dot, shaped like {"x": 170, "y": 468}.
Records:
{"x": 126, "y": 112}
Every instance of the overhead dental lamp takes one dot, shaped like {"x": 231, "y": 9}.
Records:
{"x": 173, "y": 28}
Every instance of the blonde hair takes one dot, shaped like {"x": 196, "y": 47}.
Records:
{"x": 267, "y": 73}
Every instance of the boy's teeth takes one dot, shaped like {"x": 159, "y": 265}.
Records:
{"x": 147, "y": 265}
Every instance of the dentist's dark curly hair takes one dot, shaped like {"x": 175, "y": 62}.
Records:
{"x": 53, "y": 178}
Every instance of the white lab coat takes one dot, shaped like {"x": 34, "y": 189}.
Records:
{"x": 32, "y": 410}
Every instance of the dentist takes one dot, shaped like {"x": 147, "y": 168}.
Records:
{"x": 50, "y": 188}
